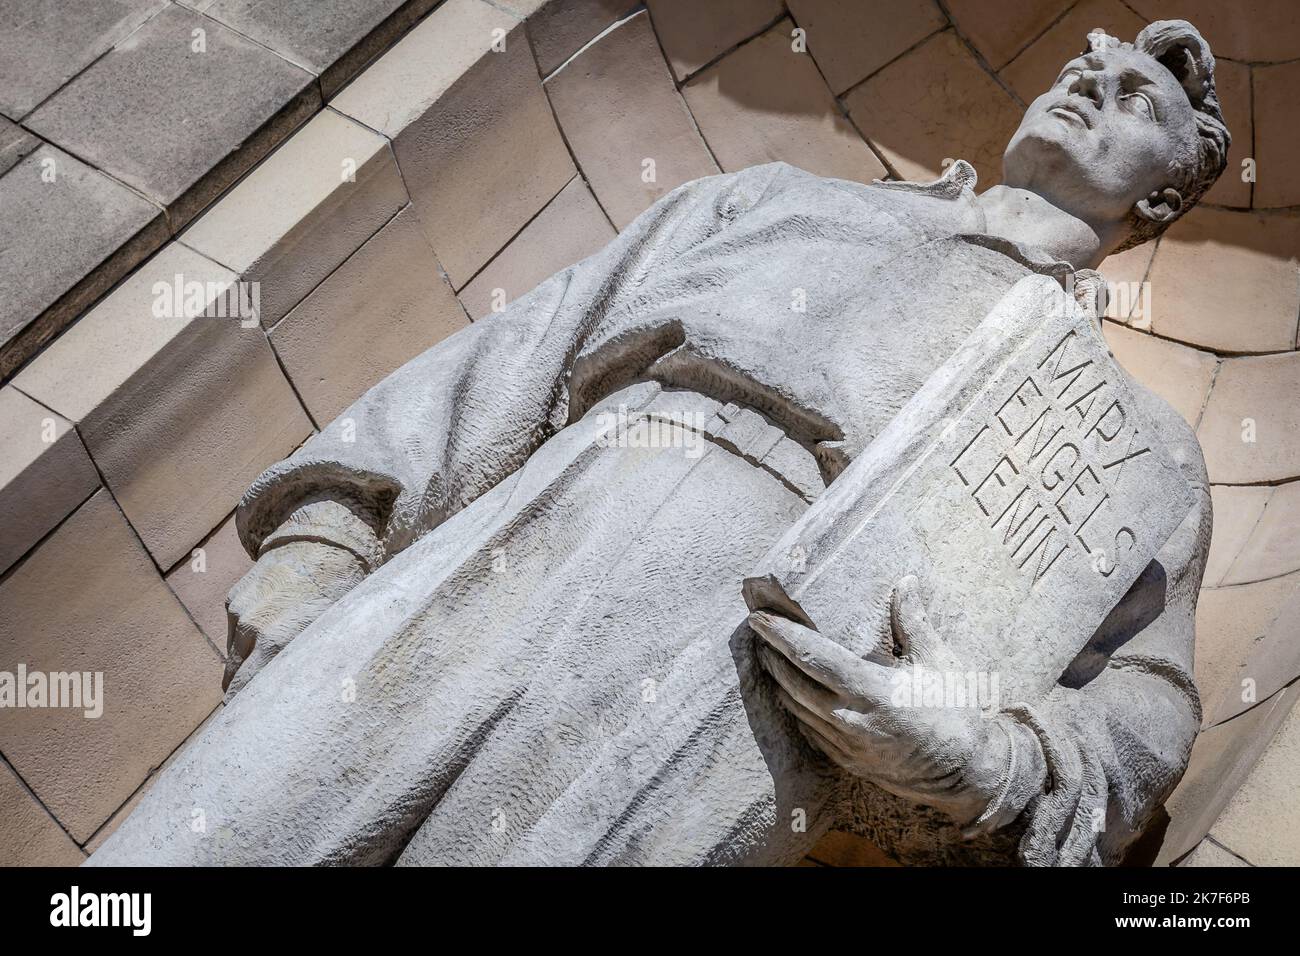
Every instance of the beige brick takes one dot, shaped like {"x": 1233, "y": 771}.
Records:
{"x": 1277, "y": 134}
{"x": 298, "y": 216}
{"x": 1178, "y": 374}
{"x": 1266, "y": 30}
{"x": 385, "y": 305}
{"x": 201, "y": 582}
{"x": 618, "y": 108}
{"x": 1237, "y": 509}
{"x": 29, "y": 836}
{"x": 180, "y": 414}
{"x": 1125, "y": 273}
{"x": 933, "y": 104}
{"x": 1249, "y": 427}
{"x": 1000, "y": 29}
{"x": 472, "y": 130}
{"x": 89, "y": 600}
{"x": 124, "y": 811}
{"x": 1209, "y": 853}
{"x": 560, "y": 28}
{"x": 851, "y": 39}
{"x": 1232, "y": 83}
{"x": 694, "y": 34}
{"x": 1246, "y": 646}
{"x": 765, "y": 102}
{"x": 1274, "y": 546}
{"x": 45, "y": 473}
{"x": 568, "y": 230}
{"x": 1228, "y": 281}
{"x": 1034, "y": 71}
{"x": 1221, "y": 761}
{"x": 1261, "y": 823}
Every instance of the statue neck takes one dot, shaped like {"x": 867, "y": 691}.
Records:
{"x": 1030, "y": 220}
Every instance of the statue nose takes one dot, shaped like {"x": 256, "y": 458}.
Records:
{"x": 1088, "y": 84}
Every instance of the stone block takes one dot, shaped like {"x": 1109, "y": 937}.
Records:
{"x": 45, "y": 43}
{"x": 765, "y": 102}
{"x": 385, "y": 305}
{"x": 202, "y": 580}
{"x": 1178, "y": 374}
{"x": 299, "y": 215}
{"x": 69, "y": 233}
{"x": 1228, "y": 281}
{"x": 1261, "y": 822}
{"x": 1245, "y": 643}
{"x": 473, "y": 132}
{"x": 852, "y": 39}
{"x": 333, "y": 39}
{"x": 29, "y": 836}
{"x": 1209, "y": 853}
{"x": 560, "y": 29}
{"x": 1249, "y": 426}
{"x": 15, "y": 143}
{"x": 89, "y": 601}
{"x": 1277, "y": 133}
{"x": 1128, "y": 293}
{"x": 1273, "y": 547}
{"x": 1270, "y": 31}
{"x": 695, "y": 34}
{"x": 620, "y": 111}
{"x": 180, "y": 411}
{"x": 179, "y": 110}
{"x": 1232, "y": 82}
{"x": 1000, "y": 29}
{"x": 45, "y": 473}
{"x": 932, "y": 104}
{"x": 568, "y": 230}
{"x": 1237, "y": 509}
{"x": 1221, "y": 761}
{"x": 124, "y": 811}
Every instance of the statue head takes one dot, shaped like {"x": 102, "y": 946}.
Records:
{"x": 1129, "y": 137}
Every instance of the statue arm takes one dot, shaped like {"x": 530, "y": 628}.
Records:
{"x": 447, "y": 426}
{"x": 1083, "y": 768}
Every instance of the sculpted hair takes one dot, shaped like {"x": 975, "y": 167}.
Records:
{"x": 1180, "y": 48}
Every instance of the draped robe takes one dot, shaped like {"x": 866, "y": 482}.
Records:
{"x": 548, "y": 662}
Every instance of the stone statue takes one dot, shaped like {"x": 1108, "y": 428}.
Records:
{"x": 498, "y": 611}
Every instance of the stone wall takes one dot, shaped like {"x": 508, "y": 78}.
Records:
{"x": 493, "y": 144}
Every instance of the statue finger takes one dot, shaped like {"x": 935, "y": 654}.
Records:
{"x": 910, "y": 624}
{"x": 797, "y": 685}
{"x": 821, "y": 735}
{"x": 825, "y": 662}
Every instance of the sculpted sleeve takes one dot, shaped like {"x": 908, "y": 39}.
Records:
{"x": 456, "y": 420}
{"x": 1118, "y": 729}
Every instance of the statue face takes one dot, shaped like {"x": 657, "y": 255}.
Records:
{"x": 1114, "y": 128}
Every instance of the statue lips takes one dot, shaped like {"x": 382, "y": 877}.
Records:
{"x": 1072, "y": 111}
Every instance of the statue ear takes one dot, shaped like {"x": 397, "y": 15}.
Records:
{"x": 1161, "y": 206}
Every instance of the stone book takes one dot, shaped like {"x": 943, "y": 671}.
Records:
{"x": 1023, "y": 485}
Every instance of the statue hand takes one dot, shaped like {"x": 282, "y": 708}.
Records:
{"x": 289, "y": 587}
{"x": 851, "y": 709}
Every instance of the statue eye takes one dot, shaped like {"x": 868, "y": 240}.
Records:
{"x": 1139, "y": 103}
{"x": 1069, "y": 74}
